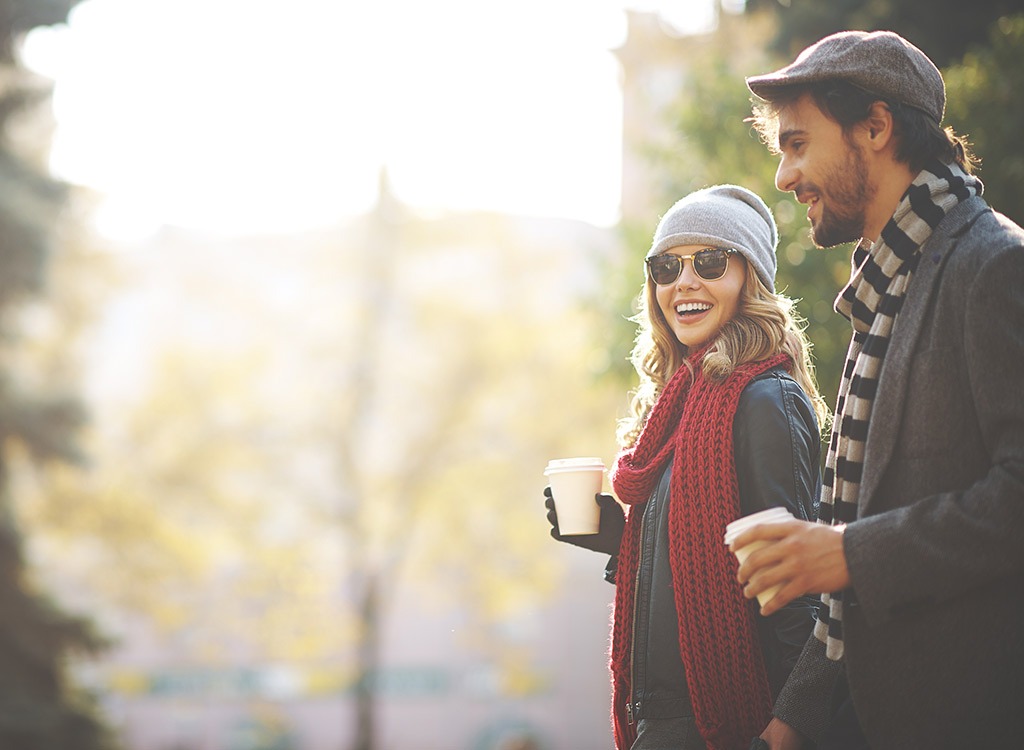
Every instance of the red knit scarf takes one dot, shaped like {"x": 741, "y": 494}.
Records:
{"x": 725, "y": 672}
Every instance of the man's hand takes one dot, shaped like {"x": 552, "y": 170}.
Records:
{"x": 805, "y": 557}
{"x": 781, "y": 736}
{"x": 609, "y": 534}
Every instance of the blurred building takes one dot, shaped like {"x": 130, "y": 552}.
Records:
{"x": 659, "y": 65}
{"x": 652, "y": 77}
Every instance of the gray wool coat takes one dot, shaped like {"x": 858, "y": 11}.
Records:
{"x": 934, "y": 638}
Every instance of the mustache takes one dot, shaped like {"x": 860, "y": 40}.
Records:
{"x": 805, "y": 191}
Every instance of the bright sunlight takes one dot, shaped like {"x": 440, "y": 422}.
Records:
{"x": 235, "y": 116}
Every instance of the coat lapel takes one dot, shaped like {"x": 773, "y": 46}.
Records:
{"x": 895, "y": 375}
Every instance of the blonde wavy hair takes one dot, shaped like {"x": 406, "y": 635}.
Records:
{"x": 764, "y": 325}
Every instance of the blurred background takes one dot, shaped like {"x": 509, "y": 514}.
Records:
{"x": 296, "y": 302}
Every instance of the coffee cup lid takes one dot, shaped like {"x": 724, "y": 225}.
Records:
{"x": 768, "y": 515}
{"x": 574, "y": 464}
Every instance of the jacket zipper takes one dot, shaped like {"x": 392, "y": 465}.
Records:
{"x": 632, "y": 642}
{"x": 636, "y": 608}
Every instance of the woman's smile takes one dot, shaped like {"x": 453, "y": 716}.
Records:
{"x": 695, "y": 308}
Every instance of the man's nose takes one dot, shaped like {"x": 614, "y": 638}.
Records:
{"x": 786, "y": 176}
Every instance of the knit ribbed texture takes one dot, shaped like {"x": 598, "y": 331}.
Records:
{"x": 722, "y": 216}
{"x": 692, "y": 424}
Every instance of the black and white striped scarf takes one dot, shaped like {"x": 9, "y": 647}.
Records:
{"x": 871, "y": 301}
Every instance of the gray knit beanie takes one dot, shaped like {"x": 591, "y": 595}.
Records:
{"x": 722, "y": 216}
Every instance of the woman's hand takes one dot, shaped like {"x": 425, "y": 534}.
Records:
{"x": 609, "y": 535}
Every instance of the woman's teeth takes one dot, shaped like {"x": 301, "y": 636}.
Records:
{"x": 692, "y": 307}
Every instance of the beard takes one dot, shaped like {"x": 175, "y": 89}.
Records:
{"x": 844, "y": 202}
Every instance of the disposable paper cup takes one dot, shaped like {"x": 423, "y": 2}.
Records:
{"x": 574, "y": 484}
{"x": 737, "y": 527}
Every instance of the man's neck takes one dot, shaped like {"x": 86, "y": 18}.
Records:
{"x": 890, "y": 184}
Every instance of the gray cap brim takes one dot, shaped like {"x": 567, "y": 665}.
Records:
{"x": 880, "y": 62}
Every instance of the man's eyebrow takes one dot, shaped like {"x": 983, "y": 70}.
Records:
{"x": 786, "y": 136}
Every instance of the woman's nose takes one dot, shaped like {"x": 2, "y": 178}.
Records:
{"x": 688, "y": 278}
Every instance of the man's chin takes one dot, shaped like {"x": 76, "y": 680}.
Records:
{"x": 824, "y": 237}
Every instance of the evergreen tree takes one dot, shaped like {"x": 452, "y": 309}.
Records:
{"x": 40, "y": 709}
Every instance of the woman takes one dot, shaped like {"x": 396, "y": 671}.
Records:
{"x": 724, "y": 423}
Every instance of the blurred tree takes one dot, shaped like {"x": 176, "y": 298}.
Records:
{"x": 989, "y": 80}
{"x": 454, "y": 373}
{"x": 944, "y": 29}
{"x": 40, "y": 707}
{"x": 179, "y": 518}
{"x": 278, "y": 473}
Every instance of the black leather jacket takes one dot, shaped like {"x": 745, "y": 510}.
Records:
{"x": 777, "y": 454}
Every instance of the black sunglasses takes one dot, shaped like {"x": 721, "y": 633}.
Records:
{"x": 710, "y": 263}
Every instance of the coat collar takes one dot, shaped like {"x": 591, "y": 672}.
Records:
{"x": 893, "y": 380}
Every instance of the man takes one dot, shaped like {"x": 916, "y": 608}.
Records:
{"x": 919, "y": 552}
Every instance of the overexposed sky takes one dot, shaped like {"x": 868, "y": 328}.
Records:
{"x": 245, "y": 116}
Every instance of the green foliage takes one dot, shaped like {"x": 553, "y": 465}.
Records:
{"x": 943, "y": 29}
{"x": 40, "y": 708}
{"x": 177, "y": 493}
{"x": 984, "y": 102}
{"x": 45, "y": 424}
{"x": 616, "y": 302}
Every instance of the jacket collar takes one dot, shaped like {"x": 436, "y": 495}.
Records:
{"x": 894, "y": 378}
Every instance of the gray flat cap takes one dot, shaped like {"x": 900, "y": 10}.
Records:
{"x": 881, "y": 62}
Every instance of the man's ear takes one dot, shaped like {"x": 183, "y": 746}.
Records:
{"x": 878, "y": 126}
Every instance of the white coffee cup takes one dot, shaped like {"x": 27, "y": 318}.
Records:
{"x": 575, "y": 482}
{"x": 737, "y": 527}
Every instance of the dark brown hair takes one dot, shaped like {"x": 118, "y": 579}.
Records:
{"x": 919, "y": 138}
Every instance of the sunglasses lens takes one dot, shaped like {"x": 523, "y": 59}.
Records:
{"x": 664, "y": 268}
{"x": 711, "y": 264}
